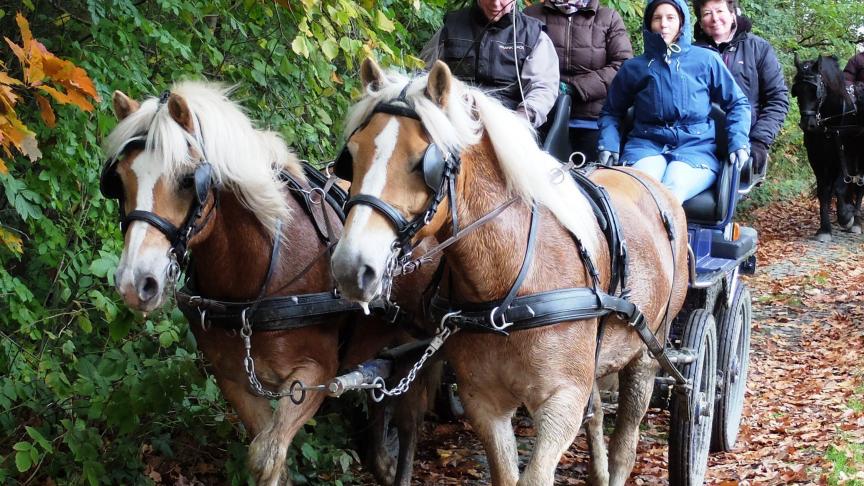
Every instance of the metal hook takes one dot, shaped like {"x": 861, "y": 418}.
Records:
{"x": 204, "y": 326}
{"x": 504, "y": 323}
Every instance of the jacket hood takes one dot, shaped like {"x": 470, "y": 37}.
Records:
{"x": 592, "y": 6}
{"x": 743, "y": 25}
{"x": 654, "y": 44}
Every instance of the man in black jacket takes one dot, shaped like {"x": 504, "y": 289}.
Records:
{"x": 753, "y": 63}
{"x": 479, "y": 45}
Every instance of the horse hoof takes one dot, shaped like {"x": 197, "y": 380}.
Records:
{"x": 823, "y": 237}
{"x": 855, "y": 230}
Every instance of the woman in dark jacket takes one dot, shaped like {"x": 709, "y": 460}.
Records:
{"x": 671, "y": 87}
{"x": 592, "y": 43}
{"x": 753, "y": 63}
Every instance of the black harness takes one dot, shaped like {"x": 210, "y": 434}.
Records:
{"x": 829, "y": 126}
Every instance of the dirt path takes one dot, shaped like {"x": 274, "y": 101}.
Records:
{"x": 806, "y": 382}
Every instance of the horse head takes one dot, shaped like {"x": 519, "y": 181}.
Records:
{"x": 808, "y": 87}
{"x": 822, "y": 96}
{"x": 168, "y": 159}
{"x": 399, "y": 175}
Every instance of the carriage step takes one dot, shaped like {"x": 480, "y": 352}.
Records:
{"x": 680, "y": 356}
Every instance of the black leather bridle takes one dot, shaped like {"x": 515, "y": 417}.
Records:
{"x": 440, "y": 170}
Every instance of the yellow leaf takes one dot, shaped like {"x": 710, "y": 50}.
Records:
{"x": 19, "y": 53}
{"x": 3, "y": 169}
{"x": 78, "y": 99}
{"x": 26, "y": 36}
{"x": 383, "y": 23}
{"x": 34, "y": 74}
{"x": 66, "y": 72}
{"x": 58, "y": 96}
{"x": 6, "y": 79}
{"x": 46, "y": 111}
{"x": 8, "y": 98}
{"x": 11, "y": 240}
{"x": 24, "y": 140}
{"x": 298, "y": 45}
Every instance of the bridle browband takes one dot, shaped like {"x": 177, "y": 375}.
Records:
{"x": 202, "y": 182}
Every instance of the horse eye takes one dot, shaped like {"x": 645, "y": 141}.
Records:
{"x": 186, "y": 181}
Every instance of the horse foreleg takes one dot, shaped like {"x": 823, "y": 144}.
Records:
{"x": 409, "y": 414}
{"x": 380, "y": 456}
{"x": 598, "y": 471}
{"x": 856, "y": 207}
{"x": 490, "y": 417}
{"x": 254, "y": 412}
{"x": 268, "y": 450}
{"x": 558, "y": 420}
{"x": 636, "y": 383}
{"x": 824, "y": 191}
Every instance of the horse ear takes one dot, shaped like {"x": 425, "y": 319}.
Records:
{"x": 372, "y": 74}
{"x": 797, "y": 61}
{"x": 180, "y": 112}
{"x": 124, "y": 105}
{"x": 438, "y": 84}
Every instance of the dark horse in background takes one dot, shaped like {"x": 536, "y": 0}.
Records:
{"x": 832, "y": 119}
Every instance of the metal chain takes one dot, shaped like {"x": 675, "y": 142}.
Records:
{"x": 393, "y": 263}
{"x": 379, "y": 390}
{"x": 296, "y": 391}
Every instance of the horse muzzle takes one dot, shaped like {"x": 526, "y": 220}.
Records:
{"x": 359, "y": 275}
{"x": 141, "y": 288}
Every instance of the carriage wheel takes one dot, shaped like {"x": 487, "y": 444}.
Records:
{"x": 690, "y": 428}
{"x": 733, "y": 335}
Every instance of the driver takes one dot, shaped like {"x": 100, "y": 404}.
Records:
{"x": 477, "y": 43}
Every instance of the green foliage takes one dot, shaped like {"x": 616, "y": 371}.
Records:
{"x": 89, "y": 391}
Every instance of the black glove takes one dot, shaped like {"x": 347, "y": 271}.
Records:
{"x": 759, "y": 152}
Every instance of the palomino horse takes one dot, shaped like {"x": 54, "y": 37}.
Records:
{"x": 192, "y": 161}
{"x": 549, "y": 369}
{"x": 834, "y": 138}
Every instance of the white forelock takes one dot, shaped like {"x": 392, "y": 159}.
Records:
{"x": 527, "y": 169}
{"x": 245, "y": 160}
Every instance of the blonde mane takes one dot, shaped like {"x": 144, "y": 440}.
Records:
{"x": 467, "y": 115}
{"x": 245, "y": 160}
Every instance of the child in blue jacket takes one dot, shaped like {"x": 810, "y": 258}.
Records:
{"x": 671, "y": 87}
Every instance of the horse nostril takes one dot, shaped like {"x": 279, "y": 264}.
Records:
{"x": 368, "y": 276}
{"x": 148, "y": 287}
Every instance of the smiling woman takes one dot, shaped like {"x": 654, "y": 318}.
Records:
{"x": 753, "y": 64}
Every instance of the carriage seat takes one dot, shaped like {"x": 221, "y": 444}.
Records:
{"x": 715, "y": 206}
{"x": 555, "y": 133}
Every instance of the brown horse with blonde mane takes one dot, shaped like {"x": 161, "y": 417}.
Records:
{"x": 192, "y": 161}
{"x": 548, "y": 369}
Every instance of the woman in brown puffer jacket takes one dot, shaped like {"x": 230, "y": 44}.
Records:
{"x": 592, "y": 43}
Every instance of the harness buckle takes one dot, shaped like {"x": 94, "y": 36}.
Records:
{"x": 393, "y": 311}
{"x": 504, "y": 323}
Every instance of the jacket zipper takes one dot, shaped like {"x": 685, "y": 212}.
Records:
{"x": 567, "y": 54}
